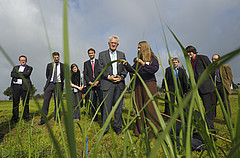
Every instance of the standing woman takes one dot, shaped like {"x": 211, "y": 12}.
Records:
{"x": 76, "y": 89}
{"x": 147, "y": 64}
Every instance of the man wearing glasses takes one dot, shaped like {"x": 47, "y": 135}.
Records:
{"x": 21, "y": 86}
{"x": 112, "y": 82}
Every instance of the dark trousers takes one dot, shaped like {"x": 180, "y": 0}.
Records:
{"x": 142, "y": 97}
{"x": 113, "y": 94}
{"x": 224, "y": 96}
{"x": 76, "y": 105}
{"x": 207, "y": 103}
{"x": 51, "y": 89}
{"x": 167, "y": 106}
{"x": 18, "y": 93}
{"x": 96, "y": 98}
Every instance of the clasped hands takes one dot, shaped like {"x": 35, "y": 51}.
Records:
{"x": 115, "y": 78}
{"x": 75, "y": 86}
{"x": 95, "y": 84}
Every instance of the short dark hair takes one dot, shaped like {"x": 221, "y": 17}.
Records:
{"x": 91, "y": 49}
{"x": 55, "y": 53}
{"x": 22, "y": 56}
{"x": 191, "y": 49}
{"x": 217, "y": 55}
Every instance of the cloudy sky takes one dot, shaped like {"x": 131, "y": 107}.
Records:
{"x": 212, "y": 26}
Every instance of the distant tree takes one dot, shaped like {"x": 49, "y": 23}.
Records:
{"x": 33, "y": 91}
{"x": 39, "y": 96}
{"x": 8, "y": 92}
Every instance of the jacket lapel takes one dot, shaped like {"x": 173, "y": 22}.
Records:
{"x": 118, "y": 58}
{"x": 108, "y": 59}
{"x": 95, "y": 65}
{"x": 196, "y": 60}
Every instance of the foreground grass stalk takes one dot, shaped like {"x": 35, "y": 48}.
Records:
{"x": 67, "y": 108}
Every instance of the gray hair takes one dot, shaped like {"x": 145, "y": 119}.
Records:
{"x": 114, "y": 36}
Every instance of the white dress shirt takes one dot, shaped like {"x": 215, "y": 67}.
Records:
{"x": 21, "y": 69}
{"x": 113, "y": 56}
{"x": 58, "y": 79}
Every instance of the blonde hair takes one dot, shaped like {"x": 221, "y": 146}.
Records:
{"x": 146, "y": 53}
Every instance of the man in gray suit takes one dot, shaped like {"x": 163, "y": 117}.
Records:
{"x": 112, "y": 82}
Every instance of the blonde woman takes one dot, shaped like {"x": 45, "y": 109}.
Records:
{"x": 147, "y": 65}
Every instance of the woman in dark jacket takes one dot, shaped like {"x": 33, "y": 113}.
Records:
{"x": 147, "y": 65}
{"x": 76, "y": 89}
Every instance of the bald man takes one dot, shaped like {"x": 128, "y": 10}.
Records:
{"x": 223, "y": 80}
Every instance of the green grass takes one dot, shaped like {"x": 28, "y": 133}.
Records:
{"x": 34, "y": 140}
{"x": 68, "y": 139}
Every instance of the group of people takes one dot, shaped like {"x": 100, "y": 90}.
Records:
{"x": 111, "y": 84}
{"x": 222, "y": 78}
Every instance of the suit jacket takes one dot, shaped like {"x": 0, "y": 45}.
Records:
{"x": 104, "y": 59}
{"x": 182, "y": 79}
{"x": 226, "y": 76}
{"x": 200, "y": 64}
{"x": 26, "y": 74}
{"x": 49, "y": 72}
{"x": 88, "y": 72}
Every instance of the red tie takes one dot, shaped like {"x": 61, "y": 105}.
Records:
{"x": 93, "y": 69}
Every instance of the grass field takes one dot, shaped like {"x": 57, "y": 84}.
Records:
{"x": 31, "y": 140}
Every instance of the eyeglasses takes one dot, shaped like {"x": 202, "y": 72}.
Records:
{"x": 22, "y": 60}
{"x": 113, "y": 43}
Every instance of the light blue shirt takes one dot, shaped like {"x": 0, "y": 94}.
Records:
{"x": 176, "y": 73}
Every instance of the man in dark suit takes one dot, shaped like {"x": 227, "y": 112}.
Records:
{"x": 21, "y": 86}
{"x": 112, "y": 81}
{"x": 181, "y": 79}
{"x": 223, "y": 80}
{"x": 199, "y": 64}
{"x": 91, "y": 72}
{"x": 55, "y": 80}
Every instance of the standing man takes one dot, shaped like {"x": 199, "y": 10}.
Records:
{"x": 55, "y": 79}
{"x": 21, "y": 86}
{"x": 223, "y": 80}
{"x": 181, "y": 80}
{"x": 112, "y": 82}
{"x": 91, "y": 72}
{"x": 199, "y": 64}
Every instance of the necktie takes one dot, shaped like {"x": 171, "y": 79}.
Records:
{"x": 176, "y": 72}
{"x": 93, "y": 69}
{"x": 114, "y": 65}
{"x": 55, "y": 74}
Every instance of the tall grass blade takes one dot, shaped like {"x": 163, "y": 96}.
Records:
{"x": 67, "y": 108}
{"x": 236, "y": 139}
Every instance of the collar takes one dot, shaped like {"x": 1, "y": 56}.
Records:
{"x": 92, "y": 60}
{"x": 194, "y": 58}
{"x": 112, "y": 52}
